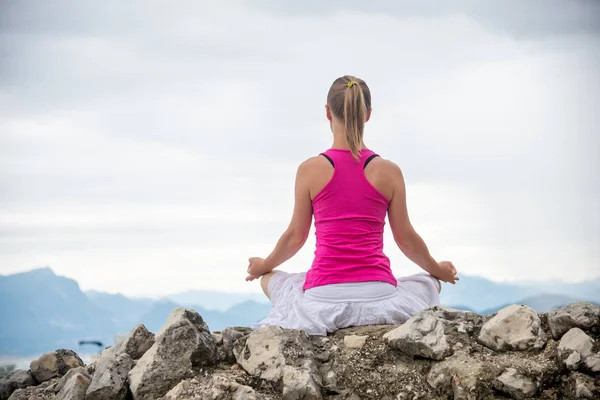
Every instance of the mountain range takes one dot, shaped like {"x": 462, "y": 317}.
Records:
{"x": 42, "y": 311}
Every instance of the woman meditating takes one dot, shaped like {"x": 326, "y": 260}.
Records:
{"x": 349, "y": 189}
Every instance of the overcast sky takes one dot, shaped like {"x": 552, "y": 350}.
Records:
{"x": 150, "y": 147}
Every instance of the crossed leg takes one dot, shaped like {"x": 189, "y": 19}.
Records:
{"x": 264, "y": 282}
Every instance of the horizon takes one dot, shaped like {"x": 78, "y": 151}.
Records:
{"x": 151, "y": 149}
{"x": 259, "y": 291}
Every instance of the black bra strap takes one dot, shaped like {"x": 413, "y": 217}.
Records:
{"x": 329, "y": 158}
{"x": 369, "y": 160}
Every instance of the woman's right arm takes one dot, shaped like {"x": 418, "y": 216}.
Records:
{"x": 405, "y": 236}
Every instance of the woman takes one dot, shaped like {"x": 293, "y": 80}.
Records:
{"x": 349, "y": 189}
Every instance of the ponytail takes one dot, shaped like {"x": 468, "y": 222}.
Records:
{"x": 349, "y": 99}
{"x": 354, "y": 117}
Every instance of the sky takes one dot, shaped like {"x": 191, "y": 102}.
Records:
{"x": 150, "y": 147}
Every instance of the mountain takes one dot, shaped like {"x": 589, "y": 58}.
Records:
{"x": 42, "y": 311}
{"x": 481, "y": 294}
{"x": 540, "y": 303}
{"x": 213, "y": 300}
{"x": 125, "y": 311}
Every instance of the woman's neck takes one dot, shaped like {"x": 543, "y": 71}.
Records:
{"x": 339, "y": 142}
{"x": 339, "y": 137}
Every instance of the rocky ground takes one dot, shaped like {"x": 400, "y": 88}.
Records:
{"x": 440, "y": 353}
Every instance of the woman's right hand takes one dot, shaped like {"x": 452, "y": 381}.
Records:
{"x": 447, "y": 272}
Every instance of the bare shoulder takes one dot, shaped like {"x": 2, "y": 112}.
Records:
{"x": 387, "y": 167}
{"x": 314, "y": 165}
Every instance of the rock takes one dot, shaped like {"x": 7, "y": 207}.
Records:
{"x": 516, "y": 385}
{"x": 43, "y": 391}
{"x": 110, "y": 378}
{"x": 184, "y": 342}
{"x": 323, "y": 356}
{"x": 355, "y": 341}
{"x": 56, "y": 363}
{"x": 218, "y": 337}
{"x": 281, "y": 355}
{"x": 422, "y": 336}
{"x": 575, "y": 349}
{"x": 74, "y": 384}
{"x": 580, "y": 386}
{"x": 592, "y": 362}
{"x": 216, "y": 387}
{"x": 514, "y": 327}
{"x": 60, "y": 383}
{"x": 230, "y": 336}
{"x": 301, "y": 383}
{"x": 460, "y": 377}
{"x": 442, "y": 357}
{"x": 137, "y": 342}
{"x": 319, "y": 341}
{"x": 15, "y": 380}
{"x": 581, "y": 315}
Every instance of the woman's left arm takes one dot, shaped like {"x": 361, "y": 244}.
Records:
{"x": 297, "y": 232}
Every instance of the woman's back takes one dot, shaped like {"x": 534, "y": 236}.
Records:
{"x": 349, "y": 212}
{"x": 350, "y": 282}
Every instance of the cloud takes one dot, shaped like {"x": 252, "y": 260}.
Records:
{"x": 161, "y": 141}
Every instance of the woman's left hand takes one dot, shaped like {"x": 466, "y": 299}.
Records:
{"x": 255, "y": 268}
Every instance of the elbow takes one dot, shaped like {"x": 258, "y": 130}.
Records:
{"x": 405, "y": 242}
{"x": 295, "y": 238}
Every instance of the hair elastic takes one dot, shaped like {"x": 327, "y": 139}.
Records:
{"x": 352, "y": 83}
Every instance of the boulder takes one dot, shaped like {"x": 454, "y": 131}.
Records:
{"x": 218, "y": 386}
{"x": 137, "y": 342}
{"x": 444, "y": 353}
{"x": 74, "y": 384}
{"x": 515, "y": 384}
{"x": 460, "y": 377}
{"x": 15, "y": 380}
{"x": 581, "y": 315}
{"x": 44, "y": 391}
{"x": 54, "y": 364}
{"x": 575, "y": 349}
{"x": 422, "y": 336}
{"x": 229, "y": 336}
{"x": 110, "y": 378}
{"x": 514, "y": 327}
{"x": 281, "y": 355}
{"x": 183, "y": 343}
{"x": 580, "y": 386}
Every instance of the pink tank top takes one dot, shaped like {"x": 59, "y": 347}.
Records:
{"x": 349, "y": 219}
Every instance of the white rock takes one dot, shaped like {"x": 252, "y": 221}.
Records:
{"x": 216, "y": 386}
{"x": 575, "y": 347}
{"x": 515, "y": 384}
{"x": 422, "y": 335}
{"x": 456, "y": 376}
{"x": 137, "y": 342}
{"x": 110, "y": 378}
{"x": 75, "y": 386}
{"x": 355, "y": 341}
{"x": 301, "y": 383}
{"x": 581, "y": 315}
{"x": 183, "y": 342}
{"x": 515, "y": 327}
{"x": 285, "y": 355}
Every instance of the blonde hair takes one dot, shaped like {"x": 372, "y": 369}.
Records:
{"x": 349, "y": 99}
